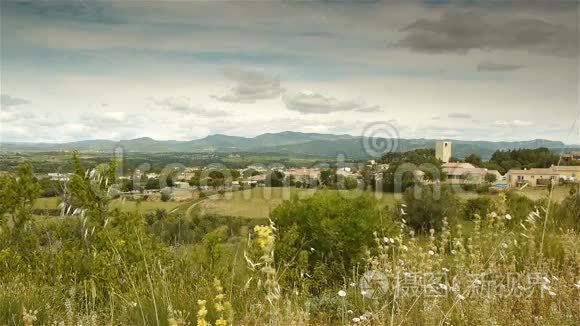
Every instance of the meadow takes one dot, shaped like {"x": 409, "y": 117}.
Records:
{"x": 318, "y": 258}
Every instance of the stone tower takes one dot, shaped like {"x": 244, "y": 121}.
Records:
{"x": 443, "y": 151}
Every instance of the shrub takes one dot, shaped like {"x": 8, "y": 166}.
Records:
{"x": 479, "y": 205}
{"x": 428, "y": 205}
{"x": 329, "y": 232}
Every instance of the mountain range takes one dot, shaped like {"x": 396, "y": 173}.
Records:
{"x": 286, "y": 142}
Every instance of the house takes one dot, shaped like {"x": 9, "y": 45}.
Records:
{"x": 464, "y": 172}
{"x": 181, "y": 185}
{"x": 305, "y": 173}
{"x": 537, "y": 177}
{"x": 345, "y": 172}
{"x": 382, "y": 167}
{"x": 571, "y": 156}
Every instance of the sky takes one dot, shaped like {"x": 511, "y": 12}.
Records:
{"x": 182, "y": 70}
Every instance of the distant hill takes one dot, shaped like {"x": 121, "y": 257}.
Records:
{"x": 287, "y": 142}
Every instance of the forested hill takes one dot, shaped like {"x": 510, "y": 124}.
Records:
{"x": 284, "y": 142}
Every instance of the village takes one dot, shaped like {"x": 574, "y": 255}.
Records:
{"x": 179, "y": 182}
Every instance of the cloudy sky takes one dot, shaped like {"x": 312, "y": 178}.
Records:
{"x": 182, "y": 70}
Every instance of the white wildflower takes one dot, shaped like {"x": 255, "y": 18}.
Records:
{"x": 477, "y": 282}
{"x": 445, "y": 270}
{"x": 342, "y": 293}
{"x": 431, "y": 253}
{"x": 508, "y": 217}
{"x": 504, "y": 245}
{"x": 546, "y": 280}
{"x": 552, "y": 293}
{"x": 356, "y": 320}
{"x": 545, "y": 287}
{"x": 405, "y": 248}
{"x": 443, "y": 286}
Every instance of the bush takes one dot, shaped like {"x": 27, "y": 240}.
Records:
{"x": 165, "y": 194}
{"x": 331, "y": 234}
{"x": 428, "y": 205}
{"x": 480, "y": 206}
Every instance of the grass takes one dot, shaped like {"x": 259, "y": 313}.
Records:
{"x": 258, "y": 202}
{"x": 124, "y": 205}
{"x": 535, "y": 193}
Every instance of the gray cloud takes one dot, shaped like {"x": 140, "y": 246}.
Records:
{"x": 309, "y": 102}
{"x": 496, "y": 67}
{"x": 373, "y": 108}
{"x": 459, "y": 116}
{"x": 7, "y": 101}
{"x": 183, "y": 106}
{"x": 250, "y": 87}
{"x": 460, "y": 32}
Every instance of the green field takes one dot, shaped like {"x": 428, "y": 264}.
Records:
{"x": 258, "y": 202}
{"x": 559, "y": 193}
{"x": 124, "y": 205}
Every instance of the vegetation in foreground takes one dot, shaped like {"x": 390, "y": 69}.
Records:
{"x": 323, "y": 260}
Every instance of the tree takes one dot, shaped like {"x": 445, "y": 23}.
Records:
{"x": 474, "y": 159}
{"x": 152, "y": 183}
{"x": 524, "y": 158}
{"x": 49, "y": 188}
{"x": 403, "y": 166}
{"x": 428, "y": 205}
{"x": 479, "y": 205}
{"x": 330, "y": 232}
{"x": 18, "y": 193}
{"x": 569, "y": 211}
{"x": 328, "y": 177}
{"x": 276, "y": 179}
{"x": 126, "y": 185}
{"x": 195, "y": 179}
{"x": 350, "y": 183}
{"x": 165, "y": 194}
{"x": 490, "y": 177}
